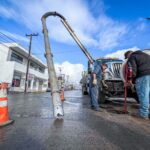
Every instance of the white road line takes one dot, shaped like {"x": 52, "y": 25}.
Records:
{"x": 76, "y": 104}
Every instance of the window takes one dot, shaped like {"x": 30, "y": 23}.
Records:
{"x": 34, "y": 83}
{"x": 29, "y": 83}
{"x": 16, "y": 57}
{"x": 16, "y": 81}
{"x": 37, "y": 67}
{"x": 33, "y": 65}
{"x": 41, "y": 69}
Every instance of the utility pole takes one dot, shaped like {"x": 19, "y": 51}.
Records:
{"x": 28, "y": 61}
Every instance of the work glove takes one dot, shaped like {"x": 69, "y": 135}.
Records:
{"x": 94, "y": 81}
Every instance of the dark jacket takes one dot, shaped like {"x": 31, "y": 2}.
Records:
{"x": 140, "y": 63}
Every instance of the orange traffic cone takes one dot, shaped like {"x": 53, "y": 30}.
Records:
{"x": 4, "y": 117}
{"x": 62, "y": 97}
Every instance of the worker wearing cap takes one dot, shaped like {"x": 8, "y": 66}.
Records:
{"x": 140, "y": 63}
{"x": 94, "y": 84}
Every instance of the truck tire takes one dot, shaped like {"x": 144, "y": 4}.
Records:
{"x": 136, "y": 98}
{"x": 84, "y": 91}
{"x": 102, "y": 97}
{"x": 132, "y": 95}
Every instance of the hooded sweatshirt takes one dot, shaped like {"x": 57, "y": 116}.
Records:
{"x": 140, "y": 63}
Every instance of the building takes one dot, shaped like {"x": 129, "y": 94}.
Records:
{"x": 13, "y": 64}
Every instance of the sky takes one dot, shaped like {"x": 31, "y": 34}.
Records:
{"x": 105, "y": 27}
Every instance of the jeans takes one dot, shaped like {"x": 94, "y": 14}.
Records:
{"x": 143, "y": 92}
{"x": 94, "y": 95}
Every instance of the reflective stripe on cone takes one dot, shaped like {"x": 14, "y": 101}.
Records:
{"x": 3, "y": 103}
{"x": 3, "y": 98}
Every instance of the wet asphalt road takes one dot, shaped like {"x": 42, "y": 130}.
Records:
{"x": 81, "y": 129}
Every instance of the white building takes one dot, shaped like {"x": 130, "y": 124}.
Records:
{"x": 13, "y": 65}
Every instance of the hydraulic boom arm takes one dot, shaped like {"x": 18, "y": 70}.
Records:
{"x": 72, "y": 33}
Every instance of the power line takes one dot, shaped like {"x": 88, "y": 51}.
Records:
{"x": 8, "y": 37}
{"x": 3, "y": 38}
{"x": 59, "y": 52}
{"x": 2, "y": 35}
{"x": 6, "y": 40}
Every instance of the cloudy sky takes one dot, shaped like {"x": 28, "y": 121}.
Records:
{"x": 105, "y": 27}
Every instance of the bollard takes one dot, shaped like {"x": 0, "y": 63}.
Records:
{"x": 4, "y": 116}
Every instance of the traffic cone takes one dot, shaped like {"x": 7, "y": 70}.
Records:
{"x": 4, "y": 117}
{"x": 62, "y": 97}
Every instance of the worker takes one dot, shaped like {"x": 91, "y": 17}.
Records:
{"x": 140, "y": 63}
{"x": 94, "y": 84}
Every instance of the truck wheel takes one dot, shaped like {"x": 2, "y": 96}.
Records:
{"x": 102, "y": 98}
{"x": 84, "y": 92}
{"x": 136, "y": 97}
{"x": 133, "y": 95}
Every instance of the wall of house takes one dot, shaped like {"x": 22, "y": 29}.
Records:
{"x": 38, "y": 80}
{"x": 3, "y": 53}
{"x": 6, "y": 71}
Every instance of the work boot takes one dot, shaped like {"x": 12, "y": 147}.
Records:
{"x": 136, "y": 115}
{"x": 92, "y": 107}
{"x": 97, "y": 109}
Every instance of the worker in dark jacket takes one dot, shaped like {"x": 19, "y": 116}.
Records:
{"x": 140, "y": 63}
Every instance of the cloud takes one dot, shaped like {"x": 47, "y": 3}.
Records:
{"x": 7, "y": 12}
{"x": 120, "y": 53}
{"x": 110, "y": 32}
{"x": 98, "y": 31}
{"x": 74, "y": 71}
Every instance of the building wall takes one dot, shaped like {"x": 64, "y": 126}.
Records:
{"x": 4, "y": 51}
{"x": 10, "y": 69}
{"x": 6, "y": 71}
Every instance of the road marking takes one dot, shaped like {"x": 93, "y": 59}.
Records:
{"x": 77, "y": 104}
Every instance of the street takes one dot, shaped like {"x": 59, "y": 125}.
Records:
{"x": 80, "y": 129}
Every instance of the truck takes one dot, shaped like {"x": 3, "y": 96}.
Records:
{"x": 111, "y": 78}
